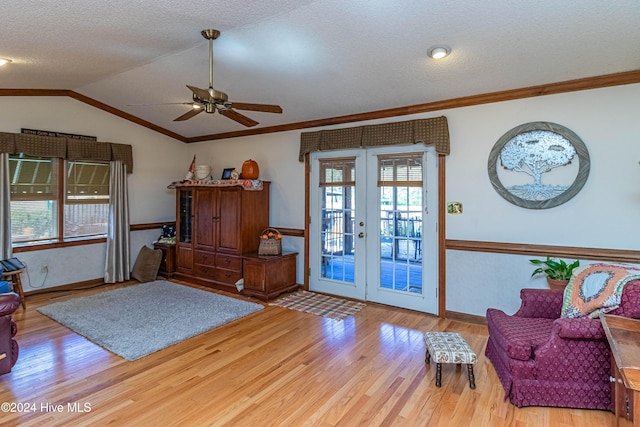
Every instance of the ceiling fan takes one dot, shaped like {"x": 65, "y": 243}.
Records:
{"x": 211, "y": 100}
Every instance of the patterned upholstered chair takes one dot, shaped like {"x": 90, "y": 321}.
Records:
{"x": 544, "y": 360}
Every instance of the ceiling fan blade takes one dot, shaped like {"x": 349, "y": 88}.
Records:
{"x": 160, "y": 103}
{"x": 267, "y": 108}
{"x": 240, "y": 118}
{"x": 189, "y": 114}
{"x": 201, "y": 93}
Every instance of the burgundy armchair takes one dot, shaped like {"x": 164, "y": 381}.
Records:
{"x": 544, "y": 360}
{"x": 9, "y": 302}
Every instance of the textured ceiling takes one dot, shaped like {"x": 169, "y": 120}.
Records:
{"x": 317, "y": 59}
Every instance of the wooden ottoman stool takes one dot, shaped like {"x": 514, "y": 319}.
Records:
{"x": 449, "y": 347}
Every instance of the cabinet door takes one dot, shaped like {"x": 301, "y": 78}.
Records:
{"x": 230, "y": 205}
{"x": 206, "y": 218}
{"x": 184, "y": 215}
{"x": 254, "y": 273}
{"x": 184, "y": 257}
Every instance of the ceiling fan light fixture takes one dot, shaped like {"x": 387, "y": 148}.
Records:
{"x": 438, "y": 51}
{"x": 4, "y": 61}
{"x": 196, "y": 106}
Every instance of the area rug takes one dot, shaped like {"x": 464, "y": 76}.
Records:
{"x": 138, "y": 320}
{"x": 321, "y": 305}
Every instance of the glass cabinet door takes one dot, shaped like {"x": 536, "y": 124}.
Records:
{"x": 185, "y": 211}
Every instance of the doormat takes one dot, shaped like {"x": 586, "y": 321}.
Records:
{"x": 321, "y": 305}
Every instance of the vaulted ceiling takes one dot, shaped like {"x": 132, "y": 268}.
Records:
{"x": 317, "y": 59}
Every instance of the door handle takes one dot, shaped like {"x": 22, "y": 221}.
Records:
{"x": 361, "y": 235}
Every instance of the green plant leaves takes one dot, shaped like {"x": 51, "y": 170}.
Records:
{"x": 554, "y": 269}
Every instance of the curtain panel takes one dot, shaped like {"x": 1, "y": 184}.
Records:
{"x": 116, "y": 267}
{"x": 65, "y": 148}
{"x": 6, "y": 250}
{"x": 434, "y": 131}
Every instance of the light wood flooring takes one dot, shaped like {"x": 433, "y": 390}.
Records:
{"x": 276, "y": 367}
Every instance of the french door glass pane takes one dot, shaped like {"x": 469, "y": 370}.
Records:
{"x": 401, "y": 238}
{"x": 337, "y": 233}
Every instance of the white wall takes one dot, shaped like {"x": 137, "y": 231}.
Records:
{"x": 603, "y": 215}
{"x": 158, "y": 160}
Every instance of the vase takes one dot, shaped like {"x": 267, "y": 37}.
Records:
{"x": 250, "y": 169}
{"x": 557, "y": 284}
{"x": 203, "y": 172}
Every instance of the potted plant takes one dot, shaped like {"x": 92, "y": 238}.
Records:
{"x": 558, "y": 272}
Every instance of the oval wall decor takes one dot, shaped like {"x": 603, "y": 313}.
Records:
{"x": 538, "y": 165}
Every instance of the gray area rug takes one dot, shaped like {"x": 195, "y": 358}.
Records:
{"x": 138, "y": 320}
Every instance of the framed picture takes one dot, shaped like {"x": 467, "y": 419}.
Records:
{"x": 226, "y": 173}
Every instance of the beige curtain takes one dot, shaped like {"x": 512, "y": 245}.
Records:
{"x": 117, "y": 265}
{"x": 6, "y": 251}
{"x": 433, "y": 131}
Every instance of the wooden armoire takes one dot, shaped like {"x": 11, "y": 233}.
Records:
{"x": 215, "y": 227}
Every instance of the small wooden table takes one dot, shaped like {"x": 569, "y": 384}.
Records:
{"x": 267, "y": 276}
{"x": 168, "y": 263}
{"x": 623, "y": 335}
{"x": 14, "y": 277}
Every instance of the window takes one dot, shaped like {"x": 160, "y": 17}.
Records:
{"x": 50, "y": 206}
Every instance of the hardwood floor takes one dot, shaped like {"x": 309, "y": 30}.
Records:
{"x": 276, "y": 367}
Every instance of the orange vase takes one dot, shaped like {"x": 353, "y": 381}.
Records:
{"x": 250, "y": 170}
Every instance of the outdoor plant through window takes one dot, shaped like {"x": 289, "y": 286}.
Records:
{"x": 48, "y": 207}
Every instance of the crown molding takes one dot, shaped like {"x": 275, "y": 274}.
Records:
{"x": 617, "y": 79}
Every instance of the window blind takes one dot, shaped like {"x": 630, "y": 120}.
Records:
{"x": 338, "y": 172}
{"x": 400, "y": 170}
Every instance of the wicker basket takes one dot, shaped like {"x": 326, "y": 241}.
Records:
{"x": 270, "y": 242}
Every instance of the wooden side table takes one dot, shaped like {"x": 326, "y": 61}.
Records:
{"x": 266, "y": 277}
{"x": 14, "y": 277}
{"x": 623, "y": 335}
{"x": 168, "y": 263}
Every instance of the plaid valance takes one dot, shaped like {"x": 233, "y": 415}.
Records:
{"x": 65, "y": 148}
{"x": 433, "y": 131}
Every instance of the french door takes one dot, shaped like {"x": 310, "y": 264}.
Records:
{"x": 373, "y": 225}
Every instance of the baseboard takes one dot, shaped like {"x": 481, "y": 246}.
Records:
{"x": 463, "y": 317}
{"x": 87, "y": 284}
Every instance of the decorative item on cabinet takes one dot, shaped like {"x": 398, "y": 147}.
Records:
{"x": 191, "y": 172}
{"x": 270, "y": 242}
{"x": 227, "y": 173}
{"x": 203, "y": 172}
{"x": 250, "y": 169}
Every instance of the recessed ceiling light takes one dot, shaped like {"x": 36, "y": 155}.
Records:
{"x": 439, "y": 51}
{"x": 4, "y": 61}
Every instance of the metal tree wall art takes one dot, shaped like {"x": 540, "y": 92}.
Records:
{"x": 535, "y": 149}
{"x": 535, "y": 153}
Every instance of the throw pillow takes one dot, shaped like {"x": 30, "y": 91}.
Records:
{"x": 147, "y": 264}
